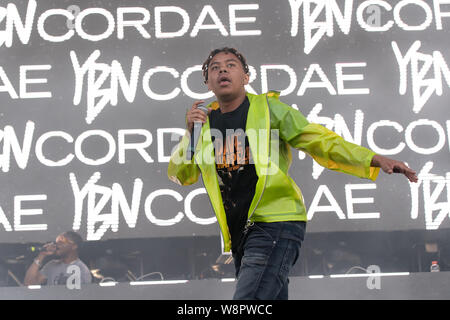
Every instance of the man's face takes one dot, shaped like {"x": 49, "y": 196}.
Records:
{"x": 64, "y": 246}
{"x": 226, "y": 76}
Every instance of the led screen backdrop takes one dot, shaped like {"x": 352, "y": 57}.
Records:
{"x": 93, "y": 96}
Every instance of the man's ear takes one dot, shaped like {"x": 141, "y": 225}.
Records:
{"x": 245, "y": 79}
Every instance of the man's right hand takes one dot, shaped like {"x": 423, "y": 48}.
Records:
{"x": 50, "y": 249}
{"x": 195, "y": 115}
{"x": 33, "y": 275}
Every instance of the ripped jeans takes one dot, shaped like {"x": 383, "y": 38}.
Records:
{"x": 265, "y": 258}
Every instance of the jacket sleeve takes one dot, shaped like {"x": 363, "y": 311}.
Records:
{"x": 182, "y": 171}
{"x": 325, "y": 146}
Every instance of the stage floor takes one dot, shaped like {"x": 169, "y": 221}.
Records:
{"x": 404, "y": 286}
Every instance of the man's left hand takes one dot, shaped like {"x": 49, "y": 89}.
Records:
{"x": 393, "y": 166}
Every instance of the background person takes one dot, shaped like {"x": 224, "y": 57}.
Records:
{"x": 58, "y": 271}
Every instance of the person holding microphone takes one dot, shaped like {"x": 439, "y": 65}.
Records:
{"x": 244, "y": 155}
{"x": 58, "y": 271}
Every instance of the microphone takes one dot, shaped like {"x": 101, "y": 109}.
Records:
{"x": 41, "y": 248}
{"x": 196, "y": 133}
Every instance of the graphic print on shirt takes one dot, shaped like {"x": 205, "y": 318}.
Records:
{"x": 232, "y": 152}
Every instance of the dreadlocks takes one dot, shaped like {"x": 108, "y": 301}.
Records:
{"x": 225, "y": 50}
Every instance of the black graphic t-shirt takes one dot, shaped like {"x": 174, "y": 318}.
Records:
{"x": 236, "y": 173}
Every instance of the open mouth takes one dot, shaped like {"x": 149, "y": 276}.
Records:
{"x": 224, "y": 81}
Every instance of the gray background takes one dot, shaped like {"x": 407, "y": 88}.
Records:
{"x": 275, "y": 46}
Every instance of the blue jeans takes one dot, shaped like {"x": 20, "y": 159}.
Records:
{"x": 266, "y": 256}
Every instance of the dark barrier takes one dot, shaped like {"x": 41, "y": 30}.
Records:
{"x": 427, "y": 285}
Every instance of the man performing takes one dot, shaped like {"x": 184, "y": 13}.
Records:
{"x": 244, "y": 156}
{"x": 57, "y": 272}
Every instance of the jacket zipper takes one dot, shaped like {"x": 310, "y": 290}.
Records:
{"x": 250, "y": 223}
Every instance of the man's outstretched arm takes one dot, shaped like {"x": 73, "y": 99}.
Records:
{"x": 393, "y": 166}
{"x": 329, "y": 149}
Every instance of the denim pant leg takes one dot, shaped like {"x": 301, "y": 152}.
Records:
{"x": 269, "y": 252}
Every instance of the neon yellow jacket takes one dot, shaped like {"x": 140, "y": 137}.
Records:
{"x": 272, "y": 128}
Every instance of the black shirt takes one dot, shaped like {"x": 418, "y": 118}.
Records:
{"x": 236, "y": 173}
